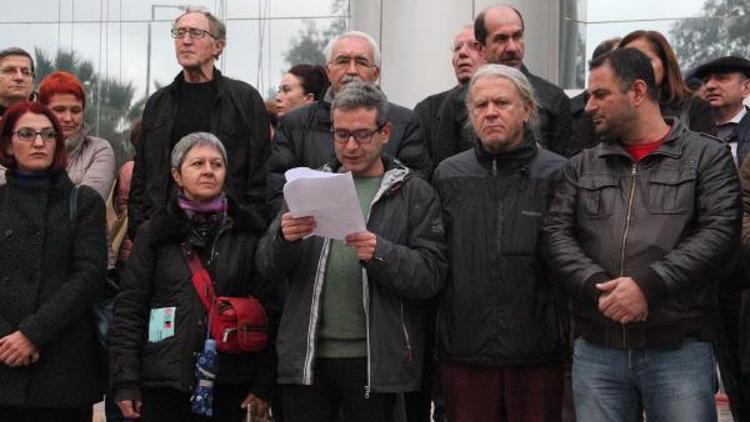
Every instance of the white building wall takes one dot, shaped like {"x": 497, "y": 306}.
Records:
{"x": 415, "y": 36}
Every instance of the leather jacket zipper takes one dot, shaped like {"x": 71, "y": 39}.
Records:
{"x": 626, "y": 230}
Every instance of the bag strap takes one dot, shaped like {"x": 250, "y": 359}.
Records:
{"x": 202, "y": 281}
{"x": 73, "y": 207}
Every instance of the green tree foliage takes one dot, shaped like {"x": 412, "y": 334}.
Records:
{"x": 307, "y": 46}
{"x": 725, "y": 30}
{"x": 110, "y": 109}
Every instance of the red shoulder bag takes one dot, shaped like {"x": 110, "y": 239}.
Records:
{"x": 237, "y": 324}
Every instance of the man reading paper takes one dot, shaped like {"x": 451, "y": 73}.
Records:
{"x": 352, "y": 332}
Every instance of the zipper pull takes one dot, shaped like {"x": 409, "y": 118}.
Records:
{"x": 635, "y": 169}
{"x": 367, "y": 391}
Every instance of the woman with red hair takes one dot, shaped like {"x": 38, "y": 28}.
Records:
{"x": 91, "y": 160}
{"x": 52, "y": 263}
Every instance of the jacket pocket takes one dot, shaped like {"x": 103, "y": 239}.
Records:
{"x": 596, "y": 195}
{"x": 671, "y": 192}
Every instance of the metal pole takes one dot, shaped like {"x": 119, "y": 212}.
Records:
{"x": 148, "y": 54}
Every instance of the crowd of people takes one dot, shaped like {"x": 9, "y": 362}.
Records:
{"x": 526, "y": 257}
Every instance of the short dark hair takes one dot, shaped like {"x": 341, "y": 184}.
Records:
{"x": 17, "y": 51}
{"x": 8, "y": 126}
{"x": 313, "y": 78}
{"x": 355, "y": 95}
{"x": 605, "y": 47}
{"x": 673, "y": 89}
{"x": 629, "y": 65}
{"x": 480, "y": 30}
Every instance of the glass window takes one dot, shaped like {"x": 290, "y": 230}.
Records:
{"x": 699, "y": 30}
{"x": 106, "y": 44}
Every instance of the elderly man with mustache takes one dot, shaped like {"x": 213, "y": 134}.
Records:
{"x": 304, "y": 136}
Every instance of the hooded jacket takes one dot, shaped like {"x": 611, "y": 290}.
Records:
{"x": 409, "y": 266}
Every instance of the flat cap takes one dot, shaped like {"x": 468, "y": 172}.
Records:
{"x": 723, "y": 65}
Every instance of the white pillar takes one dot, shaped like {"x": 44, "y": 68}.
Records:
{"x": 415, "y": 36}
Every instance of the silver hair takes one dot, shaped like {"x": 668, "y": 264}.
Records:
{"x": 518, "y": 79}
{"x": 194, "y": 139}
{"x": 328, "y": 51}
{"x": 217, "y": 27}
{"x": 356, "y": 95}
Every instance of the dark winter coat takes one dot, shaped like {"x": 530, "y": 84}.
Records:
{"x": 500, "y": 306}
{"x": 409, "y": 266}
{"x": 238, "y": 119}
{"x": 428, "y": 112}
{"x": 50, "y": 274}
{"x": 157, "y": 275}
{"x": 670, "y": 222}
{"x": 304, "y": 139}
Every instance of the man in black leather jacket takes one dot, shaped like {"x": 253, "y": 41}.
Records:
{"x": 636, "y": 230}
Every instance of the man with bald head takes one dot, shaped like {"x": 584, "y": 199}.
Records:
{"x": 467, "y": 56}
{"x": 499, "y": 29}
{"x": 304, "y": 138}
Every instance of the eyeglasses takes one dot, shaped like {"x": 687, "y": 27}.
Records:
{"x": 12, "y": 71}
{"x": 27, "y": 134}
{"x": 471, "y": 45}
{"x": 195, "y": 33}
{"x": 361, "y": 136}
{"x": 359, "y": 61}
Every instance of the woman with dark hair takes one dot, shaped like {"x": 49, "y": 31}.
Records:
{"x": 675, "y": 98}
{"x": 52, "y": 265}
{"x": 301, "y": 85}
{"x": 91, "y": 160}
{"x": 160, "y": 324}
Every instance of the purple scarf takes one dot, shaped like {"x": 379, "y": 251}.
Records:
{"x": 192, "y": 208}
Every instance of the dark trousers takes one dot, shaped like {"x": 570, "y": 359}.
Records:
{"x": 338, "y": 388}
{"x": 169, "y": 405}
{"x": 500, "y": 394}
{"x": 64, "y": 414}
{"x": 727, "y": 355}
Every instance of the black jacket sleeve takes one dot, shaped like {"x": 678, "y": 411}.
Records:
{"x": 560, "y": 124}
{"x": 258, "y": 150}
{"x": 129, "y": 329}
{"x": 418, "y": 268}
{"x": 715, "y": 236}
{"x": 138, "y": 201}
{"x": 413, "y": 150}
{"x": 88, "y": 269}
{"x": 282, "y": 158}
{"x": 275, "y": 256}
{"x": 448, "y": 137}
{"x": 564, "y": 255}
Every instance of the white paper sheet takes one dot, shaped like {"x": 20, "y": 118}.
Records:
{"x": 329, "y": 197}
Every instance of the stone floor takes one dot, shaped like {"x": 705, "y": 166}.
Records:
{"x": 722, "y": 408}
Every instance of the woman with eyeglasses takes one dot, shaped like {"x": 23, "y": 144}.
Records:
{"x": 53, "y": 250}
{"x": 91, "y": 160}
